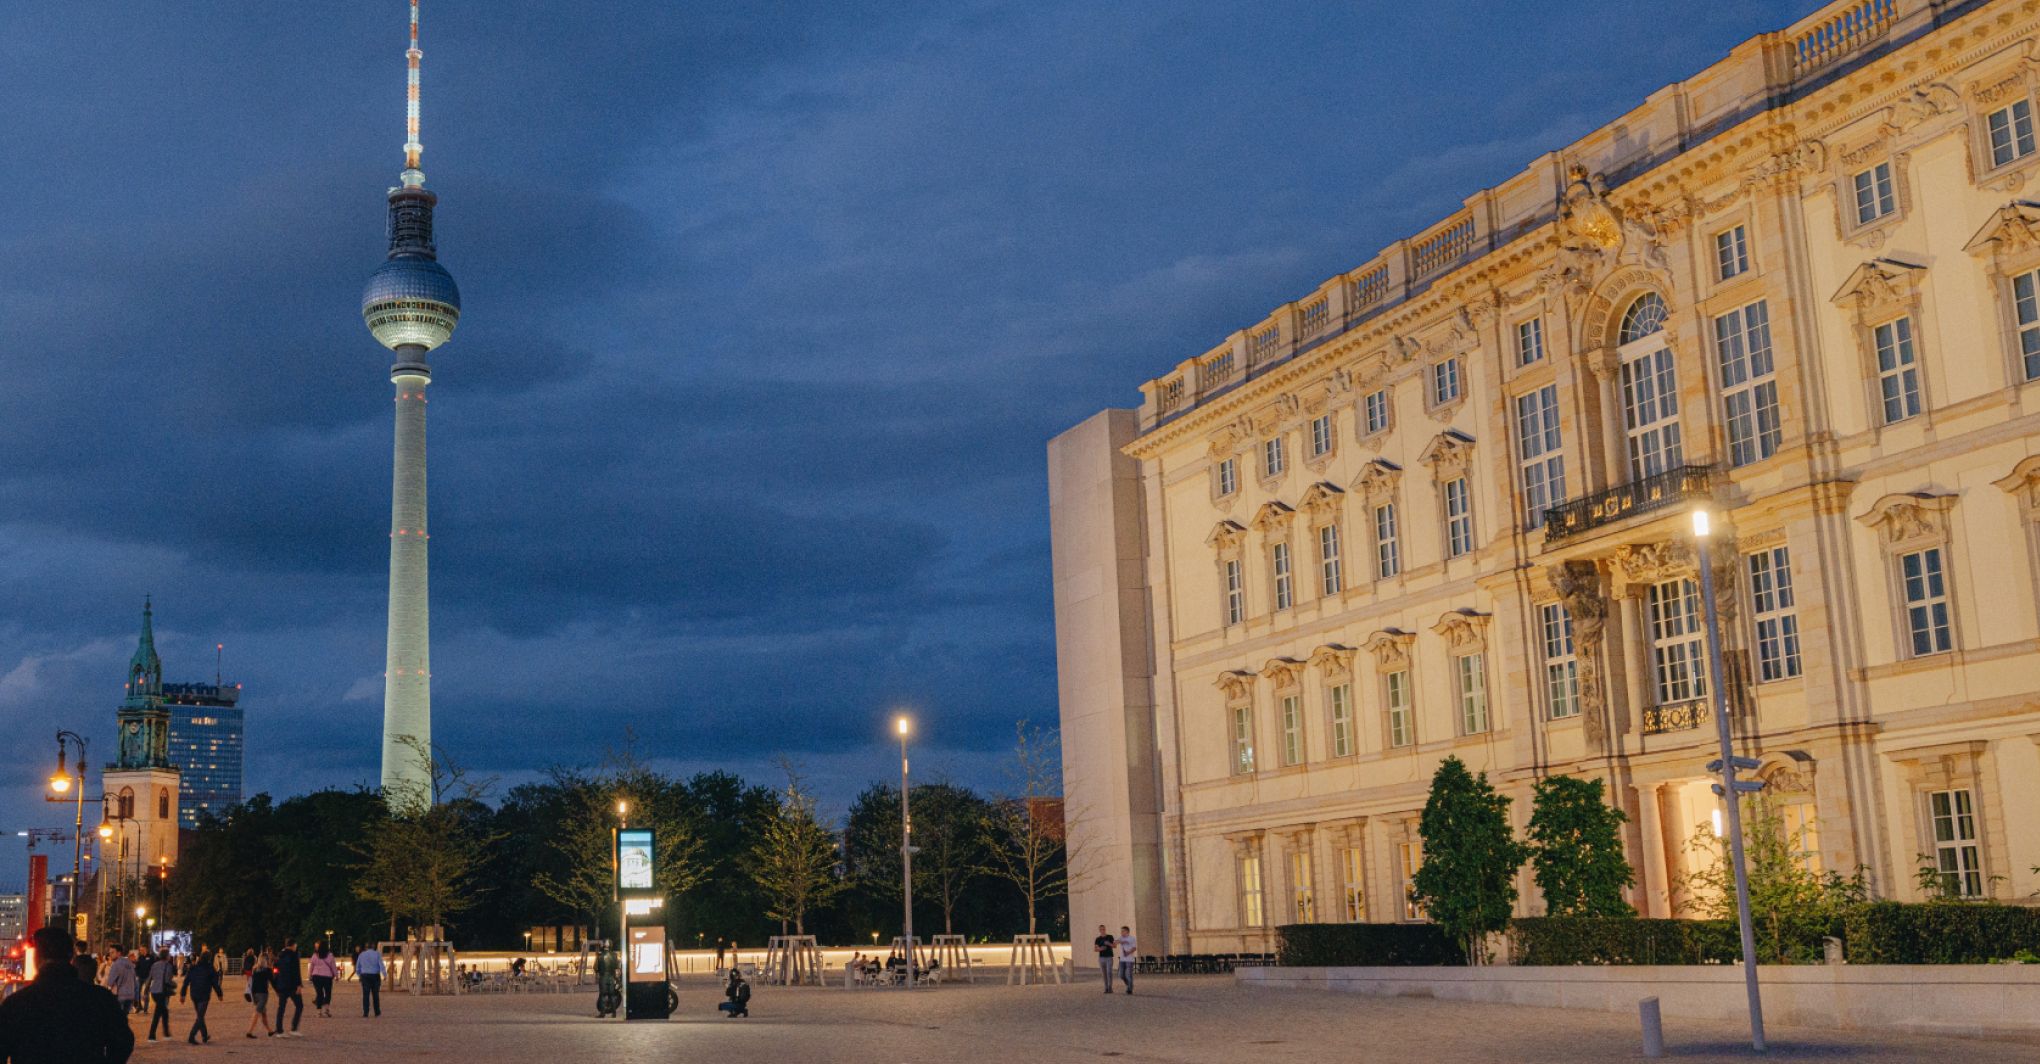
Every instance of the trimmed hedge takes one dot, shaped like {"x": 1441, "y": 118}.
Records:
{"x": 1889, "y": 932}
{"x": 1621, "y": 940}
{"x": 1365, "y": 946}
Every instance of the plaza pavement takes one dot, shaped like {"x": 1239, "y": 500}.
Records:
{"x": 1172, "y": 1020}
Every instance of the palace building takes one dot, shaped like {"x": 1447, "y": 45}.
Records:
{"x": 1440, "y": 505}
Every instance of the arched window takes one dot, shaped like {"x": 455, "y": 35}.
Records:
{"x": 1644, "y": 317}
{"x": 162, "y": 804}
{"x": 127, "y": 803}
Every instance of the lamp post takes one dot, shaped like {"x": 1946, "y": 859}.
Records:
{"x": 65, "y": 781}
{"x": 906, "y": 855}
{"x": 1729, "y": 789}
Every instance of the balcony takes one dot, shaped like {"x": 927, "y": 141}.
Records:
{"x": 1656, "y": 492}
{"x": 1677, "y": 717}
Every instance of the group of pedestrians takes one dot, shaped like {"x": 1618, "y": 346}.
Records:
{"x": 1122, "y": 949}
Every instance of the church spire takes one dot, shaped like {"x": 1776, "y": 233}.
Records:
{"x": 145, "y": 669}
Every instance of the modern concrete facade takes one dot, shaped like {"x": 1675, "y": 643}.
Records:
{"x": 208, "y": 746}
{"x": 1438, "y": 507}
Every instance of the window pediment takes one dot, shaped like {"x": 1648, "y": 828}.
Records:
{"x": 2024, "y": 484}
{"x": 1880, "y": 287}
{"x": 1391, "y": 649}
{"x": 1238, "y": 685}
{"x": 1378, "y": 480}
{"x": 1282, "y": 672}
{"x": 1321, "y": 500}
{"x": 2011, "y": 235}
{"x": 1463, "y": 630}
{"x": 1450, "y": 455}
{"x": 1332, "y": 660}
{"x": 1226, "y": 536}
{"x": 1909, "y": 518}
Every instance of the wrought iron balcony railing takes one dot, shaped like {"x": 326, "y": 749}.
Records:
{"x": 1679, "y": 716}
{"x": 1654, "y": 492}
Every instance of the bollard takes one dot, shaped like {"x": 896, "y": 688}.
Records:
{"x": 1653, "y": 1027}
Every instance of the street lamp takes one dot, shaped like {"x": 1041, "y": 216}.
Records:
{"x": 1729, "y": 789}
{"x": 61, "y": 784}
{"x": 903, "y": 726}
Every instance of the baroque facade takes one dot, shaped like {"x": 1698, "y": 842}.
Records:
{"x": 1439, "y": 506}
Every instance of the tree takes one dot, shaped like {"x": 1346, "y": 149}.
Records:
{"x": 1792, "y": 906}
{"x": 1022, "y": 833}
{"x": 1467, "y": 883}
{"x": 1576, "y": 848}
{"x": 425, "y": 863}
{"x": 794, "y": 860}
{"x": 949, "y": 845}
{"x": 583, "y": 880}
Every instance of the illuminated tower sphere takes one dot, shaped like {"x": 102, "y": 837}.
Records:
{"x": 411, "y": 305}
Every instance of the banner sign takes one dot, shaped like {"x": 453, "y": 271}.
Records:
{"x": 634, "y": 867}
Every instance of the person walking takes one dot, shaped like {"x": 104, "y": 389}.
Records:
{"x": 1129, "y": 949}
{"x": 60, "y": 1017}
{"x": 201, "y": 986}
{"x": 144, "y": 960}
{"x": 86, "y": 964}
{"x": 368, "y": 967}
{"x": 324, "y": 969}
{"x": 162, "y": 984}
{"x": 1107, "y": 948}
{"x": 256, "y": 967}
{"x": 121, "y": 979}
{"x": 287, "y": 980}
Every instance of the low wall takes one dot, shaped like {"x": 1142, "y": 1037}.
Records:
{"x": 1980, "y": 1000}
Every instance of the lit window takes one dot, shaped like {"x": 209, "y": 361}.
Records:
{"x": 1242, "y": 740}
{"x": 1776, "y": 620}
{"x": 1458, "y": 518}
{"x": 1228, "y": 476}
{"x": 1678, "y": 644}
{"x": 1749, "y": 392}
{"x": 1529, "y": 341}
{"x": 1537, "y": 442}
{"x": 1411, "y": 856}
{"x": 1957, "y": 855}
{"x": 2026, "y": 290}
{"x": 1271, "y": 457}
{"x": 1250, "y": 890}
{"x": 1874, "y": 196}
{"x": 1292, "y": 730}
{"x": 1235, "y": 593}
{"x": 1731, "y": 253}
{"x": 1926, "y": 602}
{"x": 1802, "y": 835}
{"x": 1331, "y": 579}
{"x": 1375, "y": 411}
{"x": 1341, "y": 699}
{"x": 1561, "y": 666}
{"x": 1387, "y": 557}
{"x": 1402, "y": 729}
{"x": 1302, "y": 899}
{"x": 1650, "y": 407}
{"x": 1320, "y": 435}
{"x": 1472, "y": 684}
{"x": 1353, "y": 864}
{"x": 1444, "y": 382}
{"x": 1645, "y": 317}
{"x": 1280, "y": 557}
{"x": 1898, "y": 375}
{"x": 2011, "y": 133}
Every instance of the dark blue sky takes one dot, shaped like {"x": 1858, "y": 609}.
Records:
{"x": 770, "y": 310}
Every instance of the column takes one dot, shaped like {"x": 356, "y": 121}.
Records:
{"x": 1652, "y": 879}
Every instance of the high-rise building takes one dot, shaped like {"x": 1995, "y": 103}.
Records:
{"x": 1439, "y": 507}
{"x": 13, "y": 918}
{"x": 206, "y": 746}
{"x": 142, "y": 782}
{"x": 411, "y": 305}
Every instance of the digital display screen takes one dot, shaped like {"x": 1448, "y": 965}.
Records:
{"x": 634, "y": 859}
{"x": 647, "y": 956}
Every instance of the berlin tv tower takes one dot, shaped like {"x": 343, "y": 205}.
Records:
{"x": 411, "y": 305}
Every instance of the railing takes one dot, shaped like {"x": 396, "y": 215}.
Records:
{"x": 1841, "y": 34}
{"x": 1262, "y": 344}
{"x": 1370, "y": 288}
{"x": 1170, "y": 395}
{"x": 1677, "y": 717}
{"x": 1655, "y": 492}
{"x": 1315, "y": 316}
{"x": 1442, "y": 249}
{"x": 1215, "y": 371}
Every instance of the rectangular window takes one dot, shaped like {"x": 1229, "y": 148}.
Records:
{"x": 1678, "y": 644}
{"x": 1271, "y": 457}
{"x": 2026, "y": 293}
{"x": 1375, "y": 411}
{"x": 1228, "y": 476}
{"x": 1235, "y": 593}
{"x": 1458, "y": 518}
{"x": 1472, "y": 683}
{"x": 1650, "y": 409}
{"x": 1957, "y": 854}
{"x": 1898, "y": 374}
{"x": 1802, "y": 835}
{"x": 1749, "y": 391}
{"x": 1320, "y": 435}
{"x": 1776, "y": 619}
{"x": 1402, "y": 727}
{"x": 1537, "y": 445}
{"x": 1353, "y": 863}
{"x": 1731, "y": 253}
{"x": 1926, "y": 602}
{"x": 1331, "y": 578}
{"x": 1242, "y": 740}
{"x": 1561, "y": 666}
{"x": 1279, "y": 558}
{"x": 1302, "y": 899}
{"x": 1387, "y": 558}
{"x": 1529, "y": 341}
{"x": 1444, "y": 382}
{"x": 1341, "y": 700}
{"x": 1292, "y": 730}
{"x": 1411, "y": 856}
{"x": 1874, "y": 196}
{"x": 1250, "y": 890}
{"x": 2011, "y": 133}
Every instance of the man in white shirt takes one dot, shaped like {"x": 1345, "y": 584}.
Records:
{"x": 1128, "y": 950}
{"x": 368, "y": 967}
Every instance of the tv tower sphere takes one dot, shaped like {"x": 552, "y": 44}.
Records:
{"x": 410, "y": 300}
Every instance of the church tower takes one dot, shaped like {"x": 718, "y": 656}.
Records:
{"x": 141, "y": 783}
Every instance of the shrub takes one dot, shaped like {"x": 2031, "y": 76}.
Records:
{"x": 1576, "y": 848}
{"x": 1365, "y": 946}
{"x": 1553, "y": 940}
{"x": 1889, "y": 932}
{"x": 1792, "y": 908}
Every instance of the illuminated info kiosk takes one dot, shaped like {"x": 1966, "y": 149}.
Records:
{"x": 648, "y": 992}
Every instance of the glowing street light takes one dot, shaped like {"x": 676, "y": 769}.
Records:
{"x": 902, "y": 725}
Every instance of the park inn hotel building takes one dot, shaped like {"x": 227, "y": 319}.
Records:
{"x": 1440, "y": 505}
